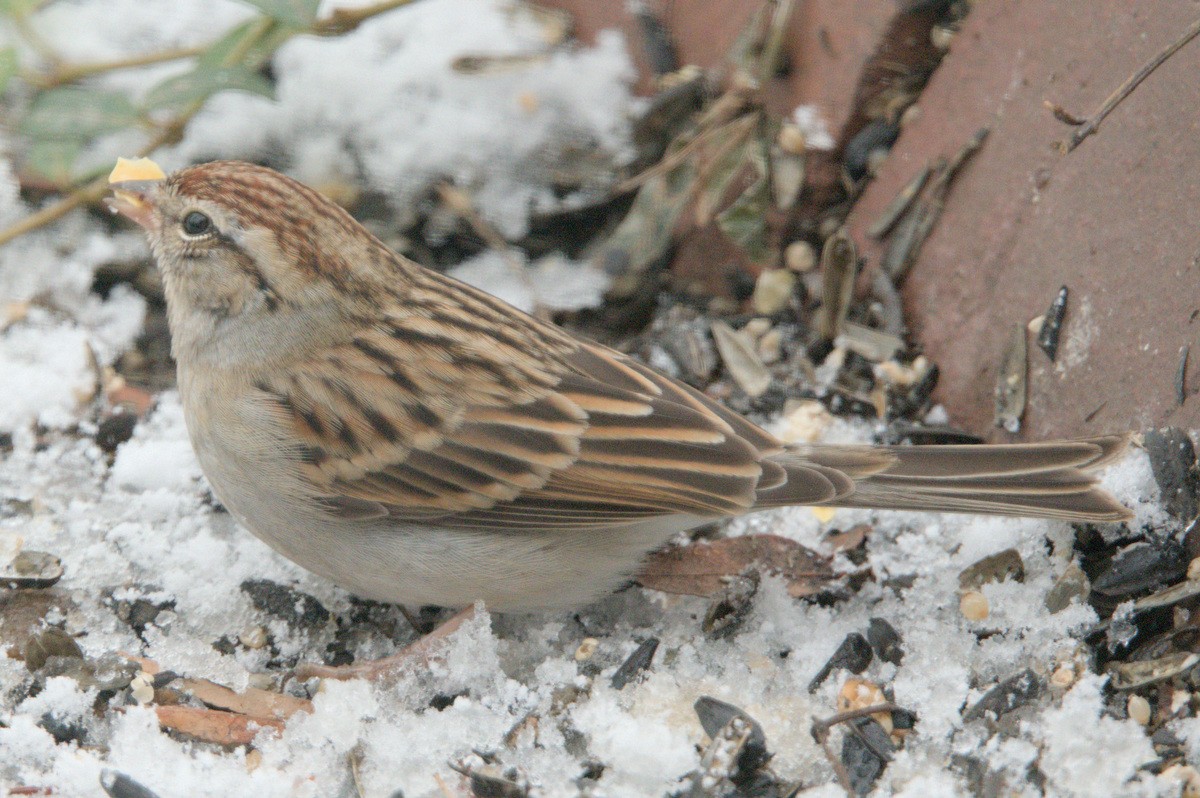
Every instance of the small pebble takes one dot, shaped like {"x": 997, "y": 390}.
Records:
{"x": 996, "y": 567}
{"x": 255, "y": 637}
{"x": 773, "y": 291}
{"x": 757, "y": 327}
{"x": 115, "y": 430}
{"x": 897, "y": 374}
{"x": 973, "y": 605}
{"x": 800, "y": 256}
{"x": 860, "y": 694}
{"x": 875, "y": 160}
{"x": 1186, "y": 774}
{"x": 254, "y": 758}
{"x": 15, "y": 312}
{"x": 142, "y": 688}
{"x": 118, "y": 785}
{"x": 586, "y": 649}
{"x": 528, "y": 102}
{"x": 1071, "y": 585}
{"x": 941, "y": 37}
{"x": 1139, "y": 709}
{"x": 770, "y": 346}
{"x": 262, "y": 681}
{"x": 792, "y": 140}
{"x": 1063, "y": 676}
{"x": 804, "y": 421}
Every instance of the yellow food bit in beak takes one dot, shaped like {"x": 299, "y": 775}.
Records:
{"x": 135, "y": 169}
{"x": 823, "y": 514}
{"x": 133, "y": 181}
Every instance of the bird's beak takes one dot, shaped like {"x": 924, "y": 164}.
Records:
{"x": 133, "y": 182}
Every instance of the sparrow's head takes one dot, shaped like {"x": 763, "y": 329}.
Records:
{"x": 242, "y": 244}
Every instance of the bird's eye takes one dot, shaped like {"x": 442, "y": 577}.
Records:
{"x": 196, "y": 224}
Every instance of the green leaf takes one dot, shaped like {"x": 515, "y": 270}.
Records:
{"x": 253, "y": 53}
{"x": 300, "y": 13}
{"x": 205, "y": 81}
{"x": 8, "y": 66}
{"x": 54, "y": 159}
{"x": 17, "y": 9}
{"x": 745, "y": 222}
{"x": 77, "y": 114}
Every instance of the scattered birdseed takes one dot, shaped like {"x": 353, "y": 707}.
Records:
{"x": 1139, "y": 709}
{"x": 586, "y": 649}
{"x": 973, "y": 605}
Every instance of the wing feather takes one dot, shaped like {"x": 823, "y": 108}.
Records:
{"x": 446, "y": 431}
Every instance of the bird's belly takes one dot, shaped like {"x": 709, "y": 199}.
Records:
{"x": 253, "y": 476}
{"x": 508, "y": 571}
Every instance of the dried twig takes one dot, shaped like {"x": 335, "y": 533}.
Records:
{"x": 673, "y": 159}
{"x": 1092, "y": 123}
{"x": 820, "y": 732}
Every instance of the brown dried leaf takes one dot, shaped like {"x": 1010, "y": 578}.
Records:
{"x": 214, "y": 725}
{"x": 851, "y": 539}
{"x": 697, "y": 569}
{"x": 252, "y": 701}
{"x": 147, "y": 665}
{"x": 129, "y": 396}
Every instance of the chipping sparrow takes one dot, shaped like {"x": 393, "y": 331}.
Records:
{"x": 416, "y": 440}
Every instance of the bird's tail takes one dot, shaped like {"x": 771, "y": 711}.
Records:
{"x": 1047, "y": 480}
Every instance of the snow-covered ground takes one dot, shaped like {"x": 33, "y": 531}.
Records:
{"x": 382, "y": 108}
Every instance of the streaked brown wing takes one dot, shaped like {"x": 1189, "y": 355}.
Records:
{"x": 533, "y": 430}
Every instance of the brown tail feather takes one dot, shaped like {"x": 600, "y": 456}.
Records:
{"x": 1048, "y": 480}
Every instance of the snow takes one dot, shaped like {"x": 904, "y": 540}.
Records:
{"x": 551, "y": 283}
{"x": 31, "y": 391}
{"x": 382, "y": 109}
{"x": 159, "y": 457}
{"x": 1076, "y": 731}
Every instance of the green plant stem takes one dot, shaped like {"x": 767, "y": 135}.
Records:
{"x": 69, "y": 73}
{"x": 344, "y": 20}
